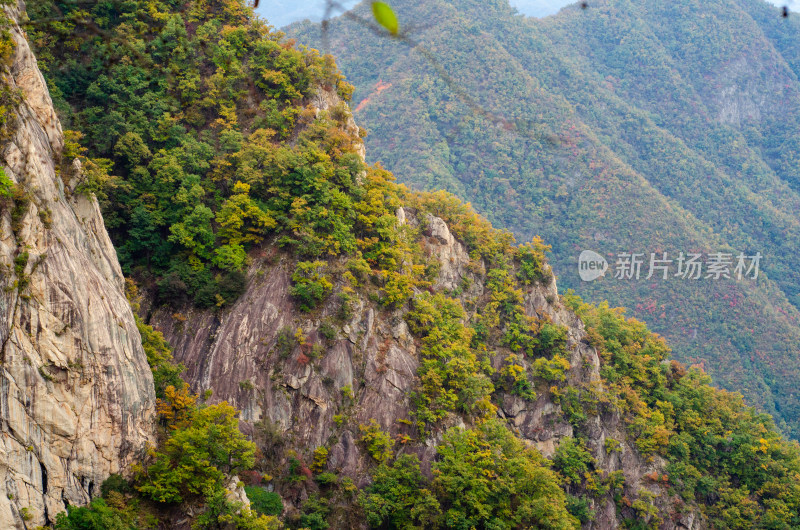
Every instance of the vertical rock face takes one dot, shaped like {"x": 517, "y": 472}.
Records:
{"x": 240, "y": 355}
{"x": 76, "y": 393}
{"x": 315, "y": 378}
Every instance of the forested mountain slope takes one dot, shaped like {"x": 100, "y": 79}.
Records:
{"x": 639, "y": 127}
{"x": 398, "y": 362}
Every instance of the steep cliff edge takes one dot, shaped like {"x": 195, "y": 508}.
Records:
{"x": 318, "y": 378}
{"x": 698, "y": 89}
{"x": 399, "y": 362}
{"x": 76, "y": 393}
{"x": 242, "y": 355}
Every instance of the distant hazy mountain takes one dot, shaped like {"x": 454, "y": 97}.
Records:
{"x": 283, "y": 12}
{"x": 280, "y": 13}
{"x": 678, "y": 127}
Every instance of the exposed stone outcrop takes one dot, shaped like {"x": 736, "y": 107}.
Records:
{"x": 451, "y": 254}
{"x": 239, "y": 354}
{"x": 543, "y": 423}
{"x": 744, "y": 93}
{"x": 76, "y": 393}
{"x": 325, "y": 99}
{"x": 346, "y": 372}
{"x": 242, "y": 355}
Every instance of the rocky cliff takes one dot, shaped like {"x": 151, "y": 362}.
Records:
{"x": 391, "y": 352}
{"x": 712, "y": 84}
{"x": 76, "y": 393}
{"x": 316, "y": 377}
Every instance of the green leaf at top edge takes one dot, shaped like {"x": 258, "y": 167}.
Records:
{"x": 385, "y": 16}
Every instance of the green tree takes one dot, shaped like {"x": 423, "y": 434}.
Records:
{"x": 379, "y": 444}
{"x": 132, "y": 150}
{"x": 98, "y": 515}
{"x": 399, "y": 497}
{"x": 159, "y": 356}
{"x": 573, "y": 460}
{"x": 6, "y": 185}
{"x": 310, "y": 284}
{"x": 194, "y": 232}
{"x": 263, "y": 501}
{"x": 241, "y": 220}
{"x": 197, "y": 457}
{"x": 487, "y": 478}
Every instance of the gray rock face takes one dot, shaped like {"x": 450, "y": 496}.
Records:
{"x": 239, "y": 355}
{"x": 76, "y": 393}
{"x": 250, "y": 357}
{"x": 747, "y": 92}
{"x": 319, "y": 389}
{"x": 451, "y": 254}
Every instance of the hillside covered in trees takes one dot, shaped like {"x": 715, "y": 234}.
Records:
{"x": 398, "y": 362}
{"x": 627, "y": 127}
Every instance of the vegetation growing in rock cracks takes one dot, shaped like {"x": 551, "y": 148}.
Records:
{"x": 206, "y": 117}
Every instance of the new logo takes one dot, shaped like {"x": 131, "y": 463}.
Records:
{"x": 591, "y": 265}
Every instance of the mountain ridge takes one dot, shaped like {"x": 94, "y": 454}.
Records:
{"x": 711, "y": 185}
{"x": 399, "y": 362}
